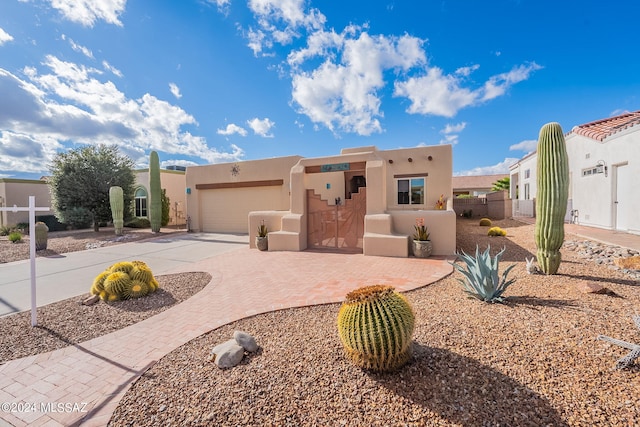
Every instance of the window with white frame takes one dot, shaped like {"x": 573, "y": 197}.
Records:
{"x": 411, "y": 191}
{"x": 527, "y": 173}
{"x": 141, "y": 203}
{"x": 527, "y": 196}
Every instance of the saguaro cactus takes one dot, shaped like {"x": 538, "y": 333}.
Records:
{"x": 551, "y": 202}
{"x": 375, "y": 324}
{"x": 42, "y": 236}
{"x": 155, "y": 193}
{"x": 116, "y": 200}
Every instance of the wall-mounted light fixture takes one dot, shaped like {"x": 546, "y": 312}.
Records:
{"x": 602, "y": 164}
{"x": 410, "y": 159}
{"x": 390, "y": 161}
{"x": 430, "y": 158}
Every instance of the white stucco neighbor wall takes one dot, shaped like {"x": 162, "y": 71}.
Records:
{"x": 17, "y": 192}
{"x": 594, "y": 195}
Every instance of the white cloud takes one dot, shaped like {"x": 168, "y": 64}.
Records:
{"x": 112, "y": 69}
{"x": 337, "y": 77}
{"x": 261, "y": 127}
{"x": 87, "y": 12}
{"x": 451, "y": 133}
{"x": 175, "y": 90}
{"x": 499, "y": 168}
{"x": 5, "y": 37}
{"x": 232, "y": 129}
{"x": 343, "y": 94}
{"x": 527, "y": 146}
{"x": 42, "y": 112}
{"x": 449, "y": 128}
{"x": 78, "y": 48}
{"x": 499, "y": 84}
{"x": 280, "y": 21}
{"x": 442, "y": 94}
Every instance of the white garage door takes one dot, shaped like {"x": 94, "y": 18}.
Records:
{"x": 227, "y": 210}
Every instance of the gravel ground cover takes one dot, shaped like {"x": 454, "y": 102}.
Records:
{"x": 532, "y": 361}
{"x": 68, "y": 322}
{"x": 60, "y": 242}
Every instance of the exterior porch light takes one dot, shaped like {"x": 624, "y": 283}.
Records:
{"x": 430, "y": 158}
{"x": 410, "y": 159}
{"x": 390, "y": 161}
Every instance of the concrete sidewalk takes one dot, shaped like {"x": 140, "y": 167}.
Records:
{"x": 71, "y": 274}
{"x": 609, "y": 237}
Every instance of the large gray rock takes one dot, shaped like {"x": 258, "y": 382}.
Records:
{"x": 245, "y": 340}
{"x": 227, "y": 355}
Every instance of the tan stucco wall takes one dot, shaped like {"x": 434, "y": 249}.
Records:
{"x": 175, "y": 184}
{"x": 249, "y": 171}
{"x": 17, "y": 192}
{"x": 388, "y": 226}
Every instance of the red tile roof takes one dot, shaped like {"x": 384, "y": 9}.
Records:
{"x": 601, "y": 129}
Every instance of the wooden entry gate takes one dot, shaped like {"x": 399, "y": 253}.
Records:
{"x": 339, "y": 227}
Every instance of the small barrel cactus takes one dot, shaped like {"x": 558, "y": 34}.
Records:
{"x": 124, "y": 280}
{"x": 116, "y": 200}
{"x": 375, "y": 324}
{"x": 496, "y": 231}
{"x": 485, "y": 222}
{"x": 42, "y": 235}
{"x": 552, "y": 180}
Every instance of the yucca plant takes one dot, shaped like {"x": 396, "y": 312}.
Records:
{"x": 482, "y": 280}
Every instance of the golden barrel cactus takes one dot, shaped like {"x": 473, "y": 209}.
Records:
{"x": 375, "y": 324}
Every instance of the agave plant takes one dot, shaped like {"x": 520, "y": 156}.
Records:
{"x": 481, "y": 275}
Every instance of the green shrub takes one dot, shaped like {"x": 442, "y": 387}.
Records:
{"x": 138, "y": 223}
{"x": 481, "y": 275}
{"x": 496, "y": 231}
{"x": 22, "y": 226}
{"x": 15, "y": 237}
{"x": 485, "y": 222}
{"x": 5, "y": 230}
{"x": 79, "y": 217}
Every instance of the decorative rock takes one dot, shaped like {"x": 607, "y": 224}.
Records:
{"x": 593, "y": 288}
{"x": 91, "y": 300}
{"x": 245, "y": 340}
{"x": 227, "y": 355}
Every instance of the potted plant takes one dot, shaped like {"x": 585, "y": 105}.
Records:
{"x": 421, "y": 244}
{"x": 262, "y": 241}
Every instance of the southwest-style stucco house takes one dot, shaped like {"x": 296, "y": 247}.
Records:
{"x": 362, "y": 200}
{"x": 174, "y": 182}
{"x": 17, "y": 192}
{"x": 604, "y": 159}
{"x": 474, "y": 185}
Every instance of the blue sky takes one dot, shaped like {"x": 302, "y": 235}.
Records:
{"x": 210, "y": 81}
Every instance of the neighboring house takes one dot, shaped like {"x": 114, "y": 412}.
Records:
{"x": 16, "y": 192}
{"x": 522, "y": 185}
{"x": 173, "y": 180}
{"x": 604, "y": 158}
{"x": 362, "y": 200}
{"x": 474, "y": 186}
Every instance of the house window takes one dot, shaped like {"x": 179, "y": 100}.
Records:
{"x": 411, "y": 191}
{"x": 526, "y": 192}
{"x": 593, "y": 170}
{"x": 527, "y": 173}
{"x": 141, "y": 203}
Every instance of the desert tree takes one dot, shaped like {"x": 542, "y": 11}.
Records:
{"x": 80, "y": 181}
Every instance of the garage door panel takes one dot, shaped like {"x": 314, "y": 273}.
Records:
{"x": 227, "y": 210}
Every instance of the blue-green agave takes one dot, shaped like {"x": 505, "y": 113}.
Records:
{"x": 482, "y": 280}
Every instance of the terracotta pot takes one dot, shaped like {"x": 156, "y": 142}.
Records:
{"x": 262, "y": 243}
{"x": 422, "y": 248}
